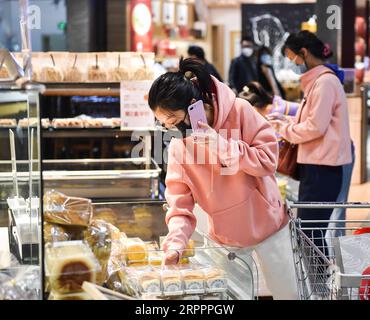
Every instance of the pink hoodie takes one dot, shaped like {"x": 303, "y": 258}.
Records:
{"x": 323, "y": 133}
{"x": 244, "y": 208}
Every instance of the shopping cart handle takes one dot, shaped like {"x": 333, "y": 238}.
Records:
{"x": 329, "y": 205}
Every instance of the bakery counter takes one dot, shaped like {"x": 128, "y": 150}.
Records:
{"x": 120, "y": 246}
{"x": 109, "y": 179}
{"x": 82, "y": 89}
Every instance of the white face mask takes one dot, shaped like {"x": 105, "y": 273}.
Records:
{"x": 247, "y": 52}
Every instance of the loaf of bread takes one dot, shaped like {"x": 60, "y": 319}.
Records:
{"x": 55, "y": 233}
{"x": 73, "y": 74}
{"x": 96, "y": 74}
{"x": 51, "y": 74}
{"x": 193, "y": 280}
{"x": 120, "y": 73}
{"x": 135, "y": 251}
{"x": 69, "y": 264}
{"x": 61, "y": 209}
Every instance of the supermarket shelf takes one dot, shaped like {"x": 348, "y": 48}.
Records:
{"x": 82, "y": 89}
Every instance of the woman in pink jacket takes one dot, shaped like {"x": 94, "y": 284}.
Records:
{"x": 228, "y": 171}
{"x": 320, "y": 129}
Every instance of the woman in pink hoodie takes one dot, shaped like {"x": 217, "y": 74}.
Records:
{"x": 228, "y": 171}
{"x": 320, "y": 129}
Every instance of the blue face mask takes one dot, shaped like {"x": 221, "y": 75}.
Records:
{"x": 266, "y": 59}
{"x": 297, "y": 68}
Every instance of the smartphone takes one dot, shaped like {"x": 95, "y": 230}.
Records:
{"x": 197, "y": 113}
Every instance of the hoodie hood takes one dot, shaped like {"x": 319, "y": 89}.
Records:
{"x": 224, "y": 101}
{"x": 308, "y": 79}
{"x": 338, "y": 71}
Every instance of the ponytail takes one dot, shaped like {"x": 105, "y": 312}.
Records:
{"x": 175, "y": 90}
{"x": 309, "y": 41}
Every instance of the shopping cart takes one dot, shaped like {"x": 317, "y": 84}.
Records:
{"x": 319, "y": 270}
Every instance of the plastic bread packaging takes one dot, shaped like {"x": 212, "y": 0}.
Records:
{"x": 193, "y": 279}
{"x": 61, "y": 209}
{"x": 99, "y": 237}
{"x": 73, "y": 72}
{"x": 50, "y": 72}
{"x": 120, "y": 66}
{"x": 146, "y": 280}
{"x": 68, "y": 264}
{"x": 215, "y": 279}
{"x": 136, "y": 251}
{"x": 70, "y": 296}
{"x": 142, "y": 66}
{"x": 97, "y": 71}
{"x": 171, "y": 281}
{"x": 55, "y": 233}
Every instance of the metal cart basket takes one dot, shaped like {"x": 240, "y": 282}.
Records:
{"x": 319, "y": 268}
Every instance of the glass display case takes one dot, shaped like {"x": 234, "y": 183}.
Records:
{"x": 20, "y": 192}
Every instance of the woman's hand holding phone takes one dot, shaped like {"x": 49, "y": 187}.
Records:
{"x": 206, "y": 137}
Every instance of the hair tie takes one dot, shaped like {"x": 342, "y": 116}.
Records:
{"x": 327, "y": 50}
{"x": 246, "y": 89}
{"x": 188, "y": 75}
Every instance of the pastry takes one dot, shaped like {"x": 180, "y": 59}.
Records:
{"x": 93, "y": 123}
{"x": 106, "y": 214}
{"x": 120, "y": 73}
{"x": 150, "y": 282}
{"x": 116, "y": 122}
{"x": 73, "y": 74}
{"x": 8, "y": 122}
{"x": 69, "y": 264}
{"x": 67, "y": 123}
{"x": 55, "y": 233}
{"x": 51, "y": 74}
{"x": 95, "y": 73}
{"x": 60, "y": 209}
{"x": 45, "y": 123}
{"x": 143, "y": 73}
{"x": 193, "y": 280}
{"x": 171, "y": 281}
{"x": 135, "y": 250}
{"x": 215, "y": 279}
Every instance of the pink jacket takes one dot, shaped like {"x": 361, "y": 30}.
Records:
{"x": 323, "y": 133}
{"x": 244, "y": 208}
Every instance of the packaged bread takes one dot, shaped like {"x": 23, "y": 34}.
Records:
{"x": 99, "y": 237}
{"x": 8, "y": 123}
{"x": 171, "y": 281}
{"x": 193, "y": 279}
{"x": 70, "y": 296}
{"x": 116, "y": 122}
{"x": 149, "y": 281}
{"x": 55, "y": 233}
{"x": 142, "y": 64}
{"x": 136, "y": 251}
{"x": 50, "y": 72}
{"x": 96, "y": 71}
{"x": 73, "y": 73}
{"x": 61, "y": 209}
{"x": 120, "y": 71}
{"x": 69, "y": 264}
{"x": 215, "y": 280}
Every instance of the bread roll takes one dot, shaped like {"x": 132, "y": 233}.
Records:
{"x": 51, "y": 74}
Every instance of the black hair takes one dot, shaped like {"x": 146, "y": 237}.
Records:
{"x": 197, "y": 51}
{"x": 308, "y": 40}
{"x": 247, "y": 38}
{"x": 257, "y": 96}
{"x": 175, "y": 90}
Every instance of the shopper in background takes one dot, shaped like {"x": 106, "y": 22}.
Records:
{"x": 266, "y": 73}
{"x": 265, "y": 103}
{"x": 244, "y": 208}
{"x": 243, "y": 69}
{"x": 196, "y": 52}
{"x": 322, "y": 133}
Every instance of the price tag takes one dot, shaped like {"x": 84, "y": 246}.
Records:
{"x": 135, "y": 111}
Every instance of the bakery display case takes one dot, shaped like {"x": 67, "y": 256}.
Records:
{"x": 119, "y": 246}
{"x": 20, "y": 193}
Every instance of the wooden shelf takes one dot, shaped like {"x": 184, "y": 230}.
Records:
{"x": 82, "y": 89}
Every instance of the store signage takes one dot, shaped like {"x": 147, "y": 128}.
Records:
{"x": 141, "y": 25}
{"x": 135, "y": 111}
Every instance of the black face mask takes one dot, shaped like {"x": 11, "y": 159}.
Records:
{"x": 184, "y": 128}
